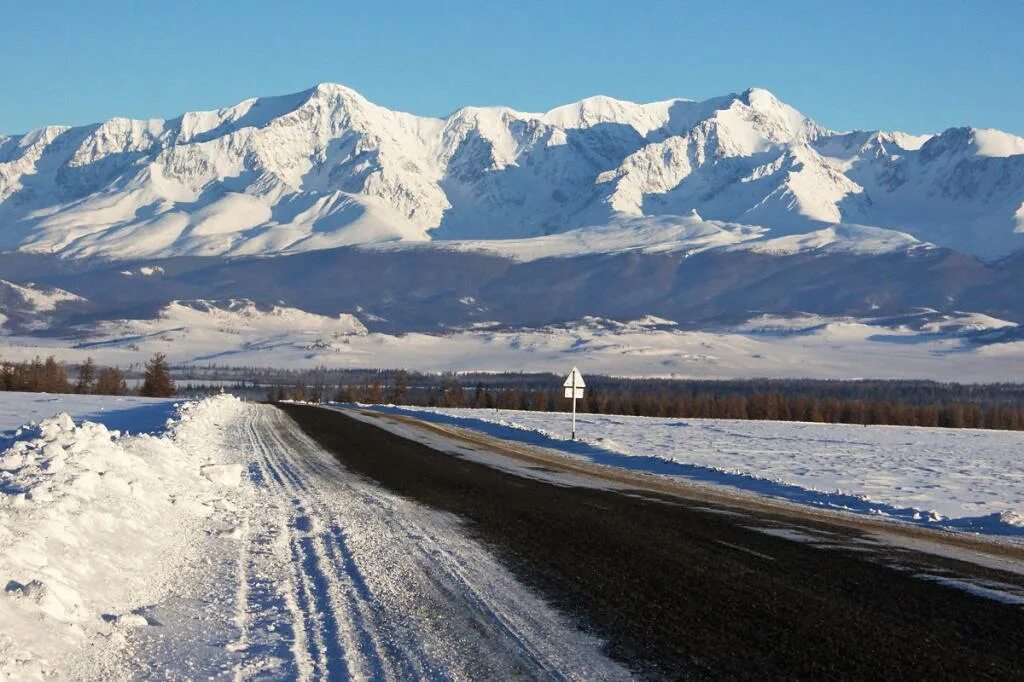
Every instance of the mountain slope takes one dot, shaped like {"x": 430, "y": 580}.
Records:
{"x": 326, "y": 168}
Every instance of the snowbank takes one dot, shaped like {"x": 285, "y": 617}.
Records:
{"x": 93, "y": 525}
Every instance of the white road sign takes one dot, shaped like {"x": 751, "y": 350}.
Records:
{"x": 574, "y": 386}
{"x": 575, "y": 379}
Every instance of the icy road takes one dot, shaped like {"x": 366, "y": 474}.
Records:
{"x": 324, "y": 575}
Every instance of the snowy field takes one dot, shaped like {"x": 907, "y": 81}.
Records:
{"x": 965, "y": 479}
{"x": 926, "y": 344}
{"x": 120, "y": 413}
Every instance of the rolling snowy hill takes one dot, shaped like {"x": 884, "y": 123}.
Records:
{"x": 326, "y": 168}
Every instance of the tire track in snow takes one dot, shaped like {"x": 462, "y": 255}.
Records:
{"x": 306, "y": 653}
{"x": 437, "y": 560}
{"x": 446, "y": 575}
{"x": 347, "y": 597}
{"x": 374, "y": 586}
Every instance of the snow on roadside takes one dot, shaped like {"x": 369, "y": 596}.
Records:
{"x": 966, "y": 479}
{"x": 94, "y": 526}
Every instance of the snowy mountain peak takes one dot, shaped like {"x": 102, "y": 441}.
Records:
{"x": 325, "y": 167}
{"x": 594, "y": 111}
{"x": 333, "y": 89}
{"x": 996, "y": 143}
{"x": 973, "y": 142}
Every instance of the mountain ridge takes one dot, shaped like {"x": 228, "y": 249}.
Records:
{"x": 326, "y": 167}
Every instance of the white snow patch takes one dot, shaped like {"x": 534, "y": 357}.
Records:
{"x": 222, "y": 474}
{"x": 1005, "y": 594}
{"x": 118, "y": 413}
{"x": 41, "y": 299}
{"x": 854, "y": 239}
{"x": 213, "y": 328}
{"x": 996, "y": 143}
{"x": 144, "y": 271}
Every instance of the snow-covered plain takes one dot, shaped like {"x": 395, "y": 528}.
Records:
{"x": 927, "y": 345}
{"x": 118, "y": 413}
{"x": 965, "y": 479}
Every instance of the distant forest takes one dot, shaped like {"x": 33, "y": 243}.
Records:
{"x": 906, "y": 403}
{"x": 897, "y": 402}
{"x": 52, "y": 376}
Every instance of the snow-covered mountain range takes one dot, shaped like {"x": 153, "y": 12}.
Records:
{"x": 326, "y": 168}
{"x": 730, "y": 237}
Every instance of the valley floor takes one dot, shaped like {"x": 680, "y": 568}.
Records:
{"x": 258, "y": 542}
{"x": 806, "y": 347}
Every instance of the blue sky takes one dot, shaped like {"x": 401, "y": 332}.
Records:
{"x": 915, "y": 66}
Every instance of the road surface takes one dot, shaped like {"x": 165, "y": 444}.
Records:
{"x": 376, "y": 547}
{"x": 331, "y": 577}
{"x": 682, "y": 587}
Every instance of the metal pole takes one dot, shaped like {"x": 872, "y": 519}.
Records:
{"x": 574, "y": 405}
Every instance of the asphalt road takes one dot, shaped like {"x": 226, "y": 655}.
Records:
{"x": 683, "y": 588}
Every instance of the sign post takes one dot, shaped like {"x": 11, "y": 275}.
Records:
{"x": 574, "y": 389}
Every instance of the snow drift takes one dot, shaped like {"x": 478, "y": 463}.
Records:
{"x": 94, "y": 524}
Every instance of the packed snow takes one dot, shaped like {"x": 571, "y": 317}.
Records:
{"x": 95, "y": 525}
{"x": 967, "y": 479}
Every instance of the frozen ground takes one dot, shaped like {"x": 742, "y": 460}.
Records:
{"x": 956, "y": 478}
{"x": 228, "y": 545}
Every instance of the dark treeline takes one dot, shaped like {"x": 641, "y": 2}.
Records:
{"x": 907, "y": 403}
{"x": 52, "y": 376}
{"x": 911, "y": 403}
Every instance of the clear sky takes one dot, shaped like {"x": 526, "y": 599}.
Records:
{"x": 919, "y": 66}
